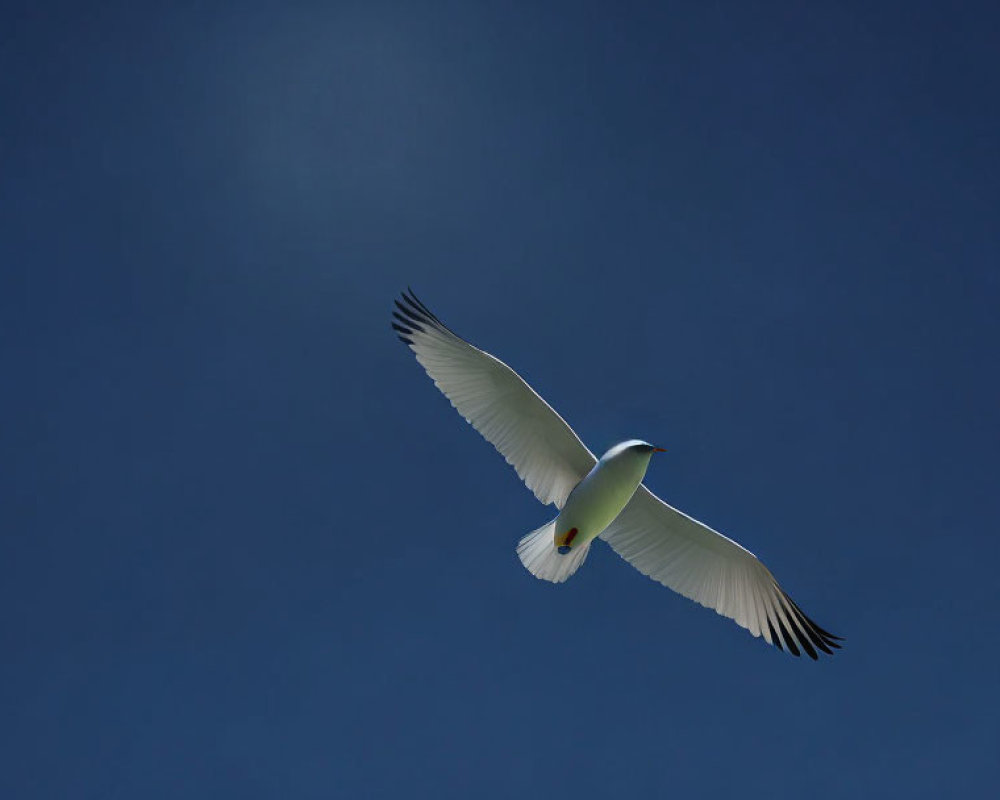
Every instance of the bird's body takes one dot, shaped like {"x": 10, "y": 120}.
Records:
{"x": 601, "y": 498}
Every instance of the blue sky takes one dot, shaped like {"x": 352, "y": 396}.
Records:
{"x": 248, "y": 549}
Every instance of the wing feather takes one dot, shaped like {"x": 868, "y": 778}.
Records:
{"x": 546, "y": 453}
{"x": 713, "y": 570}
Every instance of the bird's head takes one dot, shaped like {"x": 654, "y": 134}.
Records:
{"x": 632, "y": 447}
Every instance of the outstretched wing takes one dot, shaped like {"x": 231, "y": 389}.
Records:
{"x": 496, "y": 401}
{"x": 713, "y": 570}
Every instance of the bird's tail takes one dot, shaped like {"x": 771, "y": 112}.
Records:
{"x": 538, "y": 553}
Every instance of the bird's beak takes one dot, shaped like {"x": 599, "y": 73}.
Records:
{"x": 659, "y": 450}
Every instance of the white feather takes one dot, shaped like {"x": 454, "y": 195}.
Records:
{"x": 539, "y": 556}
{"x": 711, "y": 569}
{"x": 496, "y": 401}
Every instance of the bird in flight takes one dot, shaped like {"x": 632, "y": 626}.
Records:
{"x": 600, "y": 498}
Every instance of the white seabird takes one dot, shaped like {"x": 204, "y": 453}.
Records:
{"x": 600, "y": 498}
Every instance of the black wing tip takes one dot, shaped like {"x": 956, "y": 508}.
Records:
{"x": 419, "y": 317}
{"x": 414, "y": 313}
{"x": 403, "y": 333}
{"x": 407, "y": 323}
{"x": 412, "y": 317}
{"x": 820, "y": 637}
{"x": 803, "y": 631}
{"x": 774, "y": 636}
{"x": 789, "y": 639}
{"x": 412, "y": 298}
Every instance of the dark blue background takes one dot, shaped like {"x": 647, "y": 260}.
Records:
{"x": 249, "y": 551}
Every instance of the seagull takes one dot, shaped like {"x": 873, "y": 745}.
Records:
{"x": 600, "y": 498}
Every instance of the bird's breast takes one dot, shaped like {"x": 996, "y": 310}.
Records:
{"x": 597, "y": 500}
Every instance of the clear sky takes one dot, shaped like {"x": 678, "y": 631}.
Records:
{"x": 249, "y": 551}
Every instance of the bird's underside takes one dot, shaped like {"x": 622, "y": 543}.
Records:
{"x": 657, "y": 539}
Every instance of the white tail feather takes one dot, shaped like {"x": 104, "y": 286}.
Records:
{"x": 538, "y": 553}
